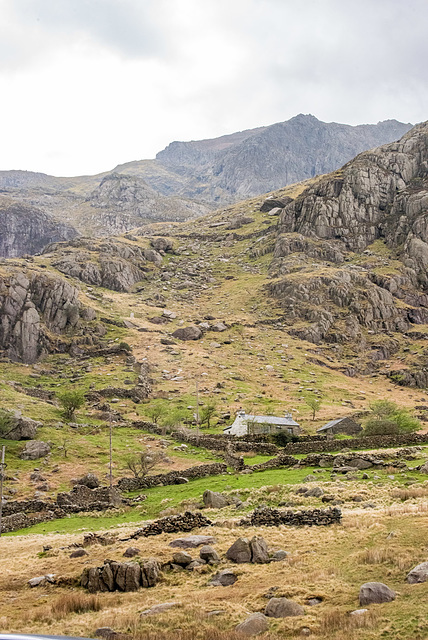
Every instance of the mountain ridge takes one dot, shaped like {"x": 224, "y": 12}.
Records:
{"x": 187, "y": 179}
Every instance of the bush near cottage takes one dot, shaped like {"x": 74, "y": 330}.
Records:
{"x": 387, "y": 418}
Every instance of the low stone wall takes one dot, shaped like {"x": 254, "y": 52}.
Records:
{"x": 82, "y": 498}
{"x": 274, "y": 463}
{"x": 19, "y": 514}
{"x": 173, "y": 477}
{"x": 365, "y": 442}
{"x": 22, "y": 520}
{"x": 136, "y": 394}
{"x": 311, "y": 517}
{"x": 27, "y": 506}
{"x": 232, "y": 460}
{"x": 173, "y": 524}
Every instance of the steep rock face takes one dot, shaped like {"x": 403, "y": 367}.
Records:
{"x": 25, "y": 229}
{"x": 382, "y": 194}
{"x": 109, "y": 263}
{"x": 373, "y": 196}
{"x": 34, "y": 307}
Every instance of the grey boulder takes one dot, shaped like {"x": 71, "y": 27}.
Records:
{"x": 240, "y": 551}
{"x": 223, "y": 578}
{"x": 193, "y": 541}
{"x": 209, "y": 554}
{"x": 418, "y": 574}
{"x": 375, "y": 592}
{"x": 255, "y": 623}
{"x": 35, "y": 449}
{"x": 20, "y": 428}
{"x": 214, "y": 500}
{"x": 283, "y": 608}
{"x": 259, "y": 550}
{"x": 182, "y": 558}
{"x": 188, "y": 333}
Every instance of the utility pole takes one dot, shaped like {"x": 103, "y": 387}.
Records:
{"x": 111, "y": 450}
{"x": 197, "y": 409}
{"x": 3, "y": 466}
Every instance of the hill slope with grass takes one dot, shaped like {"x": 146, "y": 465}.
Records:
{"x": 285, "y": 305}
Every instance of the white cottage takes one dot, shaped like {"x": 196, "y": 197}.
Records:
{"x": 247, "y": 424}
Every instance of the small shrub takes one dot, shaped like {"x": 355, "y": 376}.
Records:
{"x": 70, "y": 402}
{"x": 125, "y": 346}
{"x": 282, "y": 438}
{"x": 6, "y": 422}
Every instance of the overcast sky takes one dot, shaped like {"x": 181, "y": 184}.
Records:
{"x": 88, "y": 84}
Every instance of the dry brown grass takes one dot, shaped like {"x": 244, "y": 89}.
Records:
{"x": 410, "y": 493}
{"x": 386, "y": 555}
{"x": 326, "y": 562}
{"x": 66, "y": 604}
{"x": 335, "y": 621}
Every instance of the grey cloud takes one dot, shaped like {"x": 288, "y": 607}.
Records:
{"x": 130, "y": 27}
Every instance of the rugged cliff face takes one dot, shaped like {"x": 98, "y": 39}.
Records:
{"x": 382, "y": 193}
{"x": 36, "y": 310}
{"x": 187, "y": 179}
{"x": 364, "y": 229}
{"x": 25, "y": 229}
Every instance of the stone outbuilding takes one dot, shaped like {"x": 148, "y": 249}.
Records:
{"x": 340, "y": 425}
{"x": 248, "y": 424}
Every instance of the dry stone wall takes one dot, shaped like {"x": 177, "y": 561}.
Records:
{"x": 364, "y": 442}
{"x": 214, "y": 442}
{"x": 311, "y": 517}
{"x": 173, "y": 477}
{"x": 173, "y": 524}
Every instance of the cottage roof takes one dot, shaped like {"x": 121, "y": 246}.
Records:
{"x": 240, "y": 425}
{"x": 333, "y": 423}
{"x": 285, "y": 421}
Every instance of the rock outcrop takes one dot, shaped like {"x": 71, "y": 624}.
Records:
{"x": 110, "y": 263}
{"x": 381, "y": 195}
{"x": 18, "y": 427}
{"x": 128, "y": 201}
{"x": 35, "y": 307}
{"x": 121, "y": 576}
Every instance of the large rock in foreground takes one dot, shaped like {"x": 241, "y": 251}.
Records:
{"x": 418, "y": 574}
{"x": 35, "y": 449}
{"x": 375, "y": 592}
{"x": 283, "y": 608}
{"x": 255, "y": 623}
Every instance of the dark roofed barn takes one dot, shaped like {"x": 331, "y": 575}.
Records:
{"x": 340, "y": 425}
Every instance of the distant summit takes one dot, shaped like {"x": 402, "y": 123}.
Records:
{"x": 260, "y": 160}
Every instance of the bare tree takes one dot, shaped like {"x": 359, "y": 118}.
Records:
{"x": 141, "y": 463}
